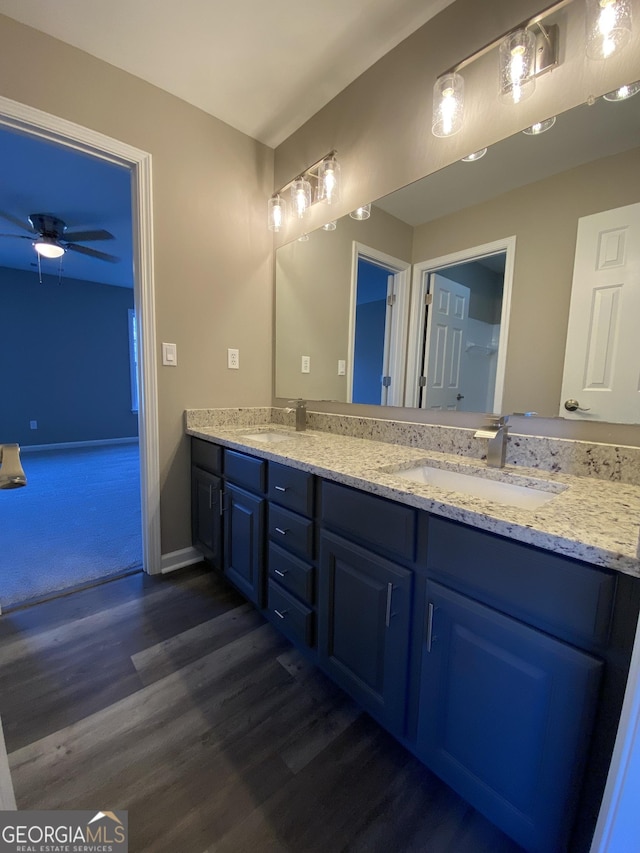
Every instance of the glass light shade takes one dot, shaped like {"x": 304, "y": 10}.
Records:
{"x": 608, "y": 24}
{"x": 330, "y": 226}
{"x": 300, "y": 196}
{"x": 448, "y": 105}
{"x": 623, "y": 92}
{"x": 329, "y": 180}
{"x": 275, "y": 213}
{"x": 517, "y": 65}
{"x": 47, "y": 247}
{"x": 303, "y": 238}
{"x": 540, "y": 127}
{"x": 477, "y": 155}
{"x": 361, "y": 213}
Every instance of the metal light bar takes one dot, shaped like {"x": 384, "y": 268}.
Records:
{"x": 310, "y": 172}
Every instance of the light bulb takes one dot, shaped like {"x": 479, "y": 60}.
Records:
{"x": 517, "y": 66}
{"x": 301, "y": 196}
{"x": 448, "y": 105}
{"x": 329, "y": 180}
{"x": 608, "y": 24}
{"x": 275, "y": 213}
{"x": 47, "y": 247}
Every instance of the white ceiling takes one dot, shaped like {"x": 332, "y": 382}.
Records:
{"x": 262, "y": 67}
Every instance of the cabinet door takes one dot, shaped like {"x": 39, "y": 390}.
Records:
{"x": 363, "y": 627}
{"x": 206, "y": 521}
{"x": 244, "y": 542}
{"x": 506, "y": 713}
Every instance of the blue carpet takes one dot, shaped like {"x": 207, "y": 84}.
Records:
{"x": 77, "y": 520}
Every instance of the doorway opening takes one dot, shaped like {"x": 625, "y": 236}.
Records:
{"x": 377, "y": 327}
{"x": 459, "y": 329}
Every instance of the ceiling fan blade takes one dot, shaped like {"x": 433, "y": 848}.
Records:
{"x": 17, "y": 236}
{"x": 93, "y": 253}
{"x": 81, "y": 236}
{"x": 19, "y": 223}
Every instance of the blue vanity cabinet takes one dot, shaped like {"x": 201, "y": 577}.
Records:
{"x": 206, "y": 500}
{"x": 366, "y": 599}
{"x": 244, "y": 523}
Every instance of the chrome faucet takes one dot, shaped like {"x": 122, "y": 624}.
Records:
{"x": 12, "y": 475}
{"x": 301, "y": 414}
{"x": 495, "y": 429}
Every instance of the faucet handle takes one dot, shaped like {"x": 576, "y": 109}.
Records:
{"x": 300, "y": 403}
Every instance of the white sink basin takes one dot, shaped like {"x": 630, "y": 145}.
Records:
{"x": 511, "y": 494}
{"x": 271, "y": 437}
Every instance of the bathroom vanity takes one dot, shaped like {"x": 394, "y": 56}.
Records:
{"x": 501, "y": 663}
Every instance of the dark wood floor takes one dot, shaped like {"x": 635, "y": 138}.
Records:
{"x": 172, "y": 698}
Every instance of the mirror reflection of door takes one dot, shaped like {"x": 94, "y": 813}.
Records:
{"x": 601, "y": 379}
{"x": 378, "y": 330}
{"x": 458, "y": 342}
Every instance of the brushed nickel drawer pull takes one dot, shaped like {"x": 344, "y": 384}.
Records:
{"x": 281, "y": 489}
{"x": 210, "y": 497}
{"x": 387, "y": 620}
{"x": 221, "y": 503}
{"x": 279, "y": 573}
{"x": 281, "y": 531}
{"x": 281, "y": 615}
{"x": 429, "y": 626}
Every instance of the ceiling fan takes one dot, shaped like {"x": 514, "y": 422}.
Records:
{"x": 51, "y": 239}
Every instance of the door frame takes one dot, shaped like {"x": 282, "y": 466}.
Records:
{"x": 17, "y": 116}
{"x": 398, "y": 332}
{"x": 419, "y": 288}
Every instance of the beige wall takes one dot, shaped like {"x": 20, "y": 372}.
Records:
{"x": 213, "y": 268}
{"x": 544, "y": 218}
{"x": 381, "y": 124}
{"x": 313, "y": 300}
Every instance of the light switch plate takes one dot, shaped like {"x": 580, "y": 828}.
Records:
{"x": 169, "y": 355}
{"x": 342, "y": 367}
{"x": 305, "y": 366}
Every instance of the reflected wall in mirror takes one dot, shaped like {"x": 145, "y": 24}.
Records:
{"x": 535, "y": 189}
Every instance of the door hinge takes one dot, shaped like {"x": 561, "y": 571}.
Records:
{"x": 386, "y": 381}
{"x": 422, "y": 381}
{"x": 391, "y": 299}
{"x": 428, "y": 298}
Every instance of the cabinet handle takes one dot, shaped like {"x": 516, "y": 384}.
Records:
{"x": 429, "y": 625}
{"x": 221, "y": 504}
{"x": 279, "y": 573}
{"x": 210, "y": 497}
{"x": 281, "y": 531}
{"x": 281, "y": 488}
{"x": 281, "y": 615}
{"x": 387, "y": 619}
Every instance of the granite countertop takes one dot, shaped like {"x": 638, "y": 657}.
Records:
{"x": 588, "y": 519}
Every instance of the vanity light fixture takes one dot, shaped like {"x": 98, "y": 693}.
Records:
{"x": 477, "y": 155}
{"x": 608, "y": 24}
{"x": 276, "y": 211}
{"x": 47, "y": 247}
{"x": 448, "y": 104}
{"x": 623, "y": 93}
{"x": 517, "y": 54}
{"x": 361, "y": 213}
{"x": 320, "y": 182}
{"x": 330, "y": 226}
{"x": 540, "y": 127}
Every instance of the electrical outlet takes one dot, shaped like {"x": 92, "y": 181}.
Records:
{"x": 342, "y": 367}
{"x": 305, "y": 366}
{"x": 233, "y": 359}
{"x": 33, "y": 424}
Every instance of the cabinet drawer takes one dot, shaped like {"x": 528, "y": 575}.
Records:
{"x": 375, "y": 521}
{"x": 245, "y": 470}
{"x": 290, "y": 572}
{"x": 206, "y": 455}
{"x": 291, "y": 531}
{"x": 291, "y": 488}
{"x": 569, "y": 599}
{"x": 293, "y": 618}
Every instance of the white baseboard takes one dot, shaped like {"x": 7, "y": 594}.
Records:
{"x": 70, "y": 445}
{"x": 179, "y": 559}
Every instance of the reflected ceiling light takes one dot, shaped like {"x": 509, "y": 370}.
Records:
{"x": 330, "y": 226}
{"x": 516, "y": 57}
{"x": 328, "y": 189}
{"x": 477, "y": 155}
{"x": 623, "y": 93}
{"x": 540, "y": 127}
{"x": 608, "y": 24}
{"x": 275, "y": 212}
{"x": 361, "y": 213}
{"x": 47, "y": 247}
{"x": 301, "y": 196}
{"x": 303, "y": 238}
{"x": 448, "y": 105}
